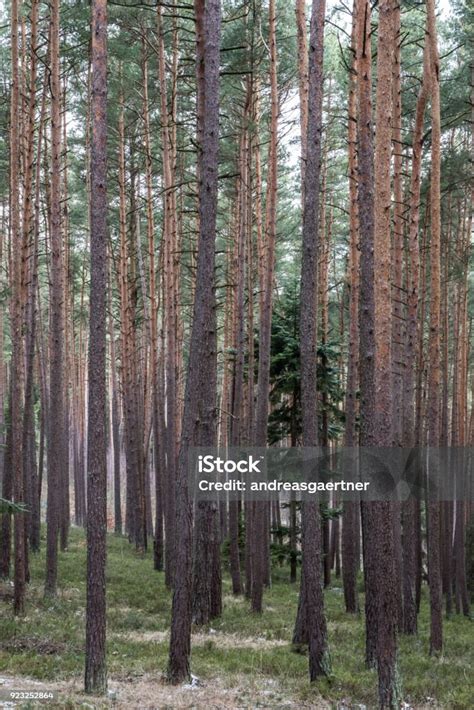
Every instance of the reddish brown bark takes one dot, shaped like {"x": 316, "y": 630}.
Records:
{"x": 398, "y": 331}
{"x": 384, "y": 551}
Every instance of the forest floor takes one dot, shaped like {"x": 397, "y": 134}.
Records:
{"x": 240, "y": 661}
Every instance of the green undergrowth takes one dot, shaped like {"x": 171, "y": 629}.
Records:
{"x": 48, "y": 643}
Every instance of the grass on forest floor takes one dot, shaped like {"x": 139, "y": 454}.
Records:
{"x": 47, "y": 644}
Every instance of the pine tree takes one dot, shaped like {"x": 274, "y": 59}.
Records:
{"x": 200, "y": 394}
{"x": 57, "y": 467}
{"x": 311, "y": 523}
{"x": 95, "y": 670}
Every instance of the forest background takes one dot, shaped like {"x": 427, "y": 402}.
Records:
{"x": 205, "y": 241}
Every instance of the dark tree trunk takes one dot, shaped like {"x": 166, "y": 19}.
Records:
{"x": 57, "y": 466}
{"x": 35, "y": 473}
{"x": 17, "y": 374}
{"x": 434, "y": 376}
{"x": 43, "y": 420}
{"x": 30, "y": 248}
{"x": 248, "y": 519}
{"x": 115, "y": 424}
{"x": 260, "y": 539}
{"x": 206, "y": 511}
{"x": 239, "y": 346}
{"x": 95, "y": 667}
{"x": 312, "y": 599}
{"x": 215, "y": 571}
{"x": 413, "y": 268}
{"x": 350, "y": 519}
{"x": 398, "y": 331}
{"x": 335, "y": 547}
{"x": 126, "y": 327}
{"x": 300, "y": 631}
{"x": 293, "y": 545}
{"x": 326, "y": 540}
{"x": 383, "y": 511}
{"x": 170, "y": 316}
{"x": 366, "y": 303}
{"x": 200, "y": 393}
{"x": 160, "y": 466}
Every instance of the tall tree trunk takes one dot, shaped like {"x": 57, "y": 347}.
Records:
{"x": 30, "y": 260}
{"x": 239, "y": 339}
{"x": 350, "y": 520}
{"x": 260, "y": 540}
{"x": 160, "y": 465}
{"x": 65, "y": 513}
{"x": 302, "y": 81}
{"x": 434, "y": 345}
{"x": 299, "y": 632}
{"x": 254, "y": 153}
{"x": 125, "y": 318}
{"x": 411, "y": 351}
{"x": 17, "y": 374}
{"x": 206, "y": 520}
{"x": 139, "y": 390}
{"x": 398, "y": 333}
{"x": 95, "y": 670}
{"x": 115, "y": 420}
{"x": 366, "y": 304}
{"x": 169, "y": 302}
{"x": 199, "y": 417}
{"x": 383, "y": 511}
{"x": 311, "y": 522}
{"x": 56, "y": 463}
{"x": 459, "y": 416}
{"x": 446, "y": 506}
